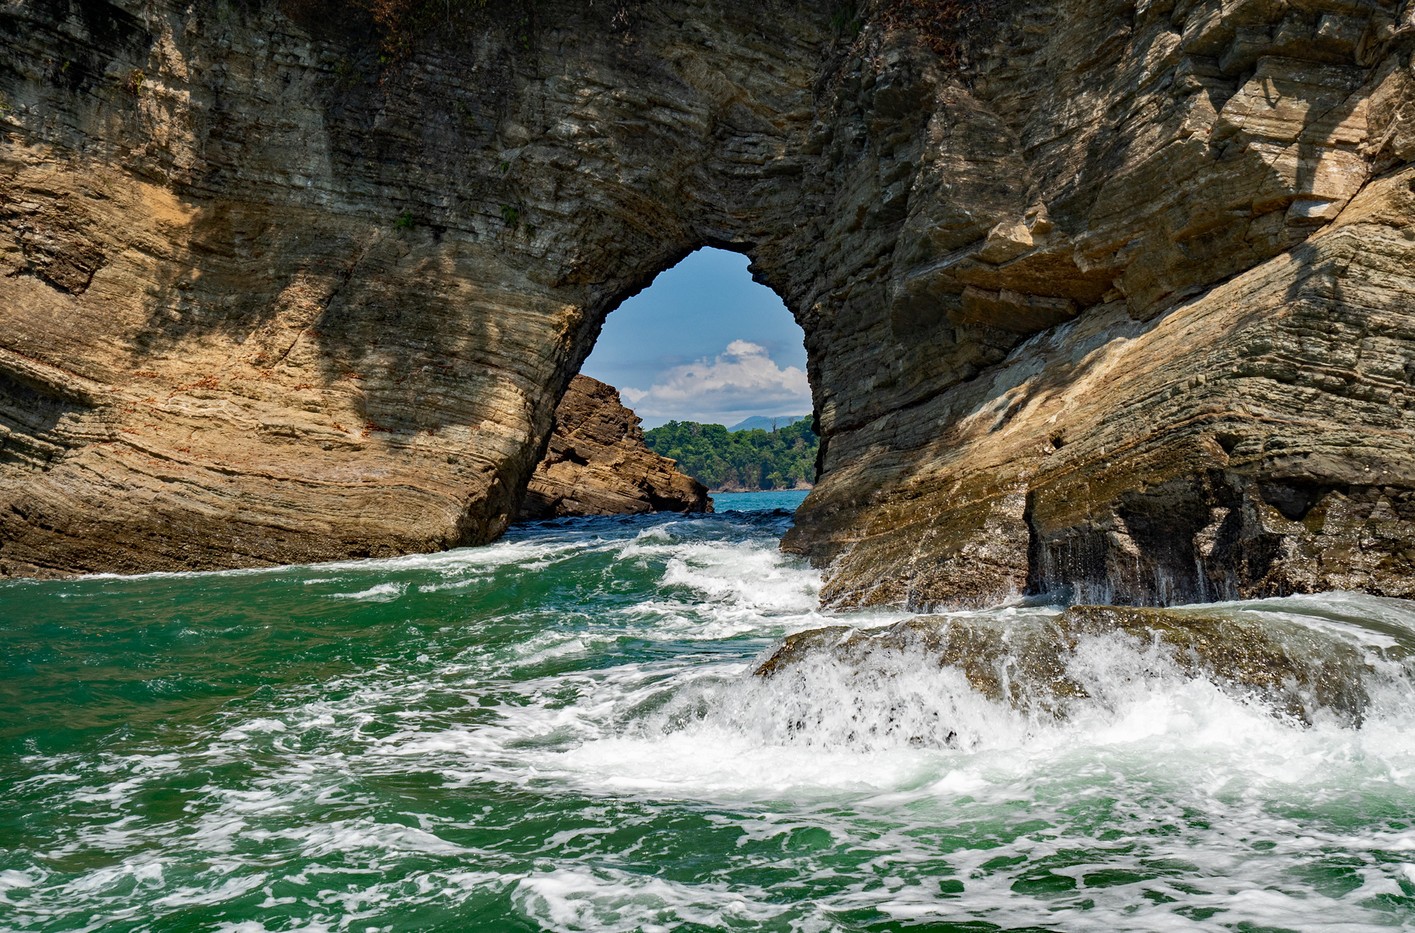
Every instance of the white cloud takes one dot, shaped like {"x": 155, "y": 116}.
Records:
{"x": 740, "y": 381}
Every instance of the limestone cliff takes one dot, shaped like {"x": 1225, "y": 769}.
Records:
{"x": 598, "y": 463}
{"x": 1109, "y": 296}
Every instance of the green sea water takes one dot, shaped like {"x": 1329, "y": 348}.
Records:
{"x": 561, "y": 731}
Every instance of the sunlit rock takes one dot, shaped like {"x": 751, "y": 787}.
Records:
{"x": 598, "y": 463}
{"x": 1109, "y": 298}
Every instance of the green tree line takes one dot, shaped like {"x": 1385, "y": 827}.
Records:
{"x": 739, "y": 460}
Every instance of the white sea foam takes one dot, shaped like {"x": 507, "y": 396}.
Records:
{"x": 253, "y": 727}
{"x": 575, "y": 898}
{"x": 553, "y": 647}
{"x": 757, "y": 578}
{"x": 451, "y": 562}
{"x": 609, "y": 740}
{"x": 188, "y": 896}
{"x": 18, "y": 881}
{"x": 381, "y": 593}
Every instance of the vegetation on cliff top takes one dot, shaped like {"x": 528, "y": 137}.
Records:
{"x": 739, "y": 460}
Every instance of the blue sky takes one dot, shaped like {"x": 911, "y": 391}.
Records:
{"x": 704, "y": 343}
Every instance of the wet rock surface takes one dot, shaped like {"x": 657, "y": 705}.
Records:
{"x": 598, "y": 463}
{"x": 1038, "y": 664}
{"x": 1107, "y": 298}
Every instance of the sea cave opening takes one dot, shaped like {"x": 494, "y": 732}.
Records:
{"x": 714, "y": 364}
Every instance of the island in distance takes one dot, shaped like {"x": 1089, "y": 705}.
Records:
{"x": 600, "y": 462}
{"x": 741, "y": 460}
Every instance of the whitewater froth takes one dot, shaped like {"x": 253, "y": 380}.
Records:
{"x": 566, "y": 732}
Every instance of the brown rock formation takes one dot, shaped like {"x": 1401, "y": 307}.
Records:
{"x": 1102, "y": 295}
{"x": 598, "y": 463}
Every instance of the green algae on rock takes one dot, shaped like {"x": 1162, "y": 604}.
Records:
{"x": 1036, "y": 662}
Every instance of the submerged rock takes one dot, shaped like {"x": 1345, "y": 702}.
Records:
{"x": 598, "y": 463}
{"x": 1040, "y": 663}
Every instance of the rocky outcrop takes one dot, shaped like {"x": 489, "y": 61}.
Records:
{"x": 1181, "y": 368}
{"x": 1107, "y": 297}
{"x": 1037, "y": 663}
{"x": 598, "y": 464}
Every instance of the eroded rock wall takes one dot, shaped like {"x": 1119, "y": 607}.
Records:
{"x": 275, "y": 292}
{"x": 598, "y": 464}
{"x": 1175, "y": 240}
{"x": 1102, "y": 296}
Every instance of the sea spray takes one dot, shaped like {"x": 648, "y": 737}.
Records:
{"x": 565, "y": 731}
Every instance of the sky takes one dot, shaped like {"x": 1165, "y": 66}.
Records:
{"x": 704, "y": 343}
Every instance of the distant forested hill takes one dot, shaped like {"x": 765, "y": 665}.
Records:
{"x": 739, "y": 460}
{"x": 767, "y": 424}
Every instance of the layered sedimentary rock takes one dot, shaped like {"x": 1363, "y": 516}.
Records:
{"x": 1100, "y": 296}
{"x": 598, "y": 464}
{"x": 1190, "y": 361}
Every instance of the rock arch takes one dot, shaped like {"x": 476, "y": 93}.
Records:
{"x": 1095, "y": 295}
{"x": 285, "y": 300}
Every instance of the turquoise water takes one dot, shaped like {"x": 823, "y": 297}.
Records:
{"x": 561, "y": 731}
{"x": 788, "y": 500}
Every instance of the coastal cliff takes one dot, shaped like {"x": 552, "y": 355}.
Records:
{"x": 1109, "y": 298}
{"x": 597, "y": 463}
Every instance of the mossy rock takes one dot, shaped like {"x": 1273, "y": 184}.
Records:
{"x": 1292, "y": 670}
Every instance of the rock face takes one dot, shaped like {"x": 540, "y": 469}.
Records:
{"x": 1101, "y": 296}
{"x": 598, "y": 464}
